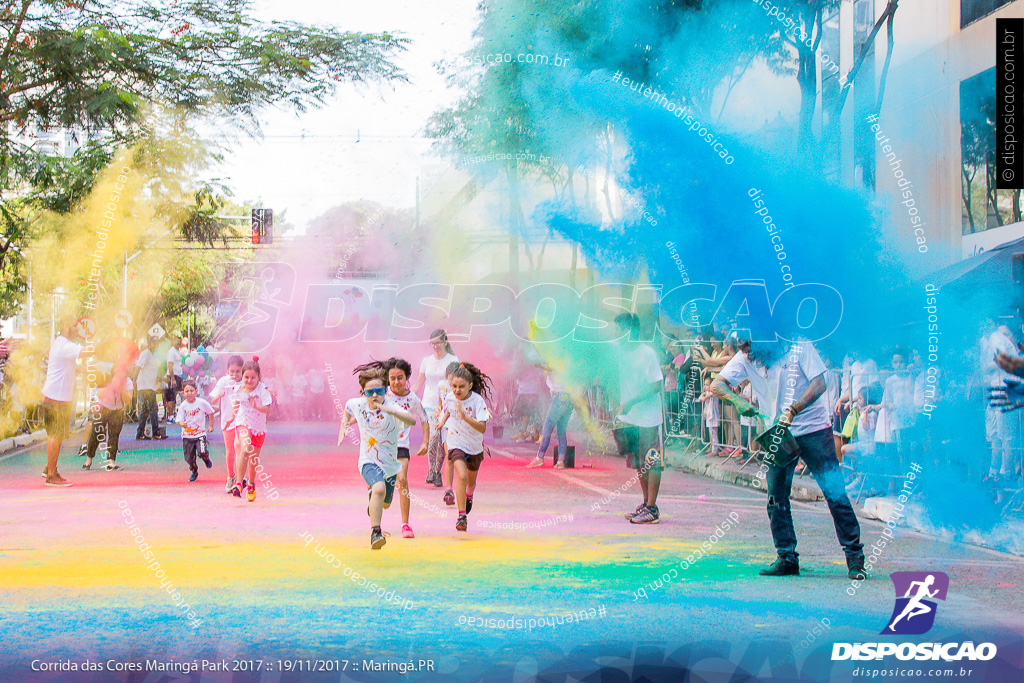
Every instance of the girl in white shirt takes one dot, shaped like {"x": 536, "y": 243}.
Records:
{"x": 250, "y": 405}
{"x": 465, "y": 414}
{"x": 222, "y": 392}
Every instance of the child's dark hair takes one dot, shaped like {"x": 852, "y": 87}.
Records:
{"x": 372, "y": 365}
{"x": 478, "y": 381}
{"x": 399, "y": 363}
{"x": 443, "y": 336}
{"x": 254, "y": 365}
{"x": 452, "y": 367}
{"x": 375, "y": 369}
{"x": 235, "y": 360}
{"x": 189, "y": 383}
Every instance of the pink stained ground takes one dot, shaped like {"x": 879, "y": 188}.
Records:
{"x": 74, "y": 582}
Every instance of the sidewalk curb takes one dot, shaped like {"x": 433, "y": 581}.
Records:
{"x": 803, "y": 489}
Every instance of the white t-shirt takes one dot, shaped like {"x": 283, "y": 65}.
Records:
{"x": 459, "y": 432}
{"x": 859, "y": 374}
{"x": 434, "y": 369}
{"x": 148, "y": 366}
{"x": 174, "y": 361}
{"x": 378, "y": 436}
{"x": 299, "y": 385}
{"x": 192, "y": 418}
{"x": 783, "y": 384}
{"x": 316, "y": 381}
{"x": 997, "y": 341}
{"x": 638, "y": 369}
{"x": 249, "y": 417}
{"x": 223, "y": 390}
{"x": 60, "y": 370}
{"x": 410, "y": 403}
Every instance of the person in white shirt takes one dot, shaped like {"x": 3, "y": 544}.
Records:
{"x": 58, "y": 392}
{"x": 222, "y": 393}
{"x": 195, "y": 417}
{"x": 106, "y": 415}
{"x": 399, "y": 371}
{"x": 250, "y": 405}
{"x": 432, "y": 370}
{"x": 300, "y": 399}
{"x": 639, "y": 419}
{"x": 788, "y": 381}
{"x": 145, "y": 376}
{"x": 317, "y": 404}
{"x": 1001, "y": 429}
{"x": 463, "y": 419}
{"x": 174, "y": 375}
{"x": 380, "y": 423}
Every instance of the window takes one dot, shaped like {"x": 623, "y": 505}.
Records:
{"x": 983, "y": 206}
{"x": 972, "y": 10}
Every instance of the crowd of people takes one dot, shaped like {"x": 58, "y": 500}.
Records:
{"x": 721, "y": 389}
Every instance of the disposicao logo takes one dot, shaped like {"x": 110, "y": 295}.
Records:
{"x": 914, "y": 614}
{"x": 916, "y": 593}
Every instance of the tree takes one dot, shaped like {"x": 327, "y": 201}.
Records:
{"x": 110, "y": 68}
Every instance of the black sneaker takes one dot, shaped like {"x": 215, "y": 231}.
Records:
{"x": 857, "y": 571}
{"x": 430, "y": 478}
{"x": 781, "y": 567}
{"x": 449, "y": 497}
{"x": 469, "y": 504}
{"x": 462, "y": 523}
{"x": 438, "y": 482}
{"x": 143, "y": 438}
{"x": 377, "y": 539}
{"x": 195, "y": 475}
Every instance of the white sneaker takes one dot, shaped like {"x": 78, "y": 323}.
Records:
{"x": 536, "y": 462}
{"x": 559, "y": 465}
{"x": 230, "y": 484}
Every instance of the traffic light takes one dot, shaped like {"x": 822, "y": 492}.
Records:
{"x": 262, "y": 226}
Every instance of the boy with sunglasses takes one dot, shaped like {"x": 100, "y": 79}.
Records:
{"x": 379, "y": 426}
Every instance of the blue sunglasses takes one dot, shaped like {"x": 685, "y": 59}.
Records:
{"x": 379, "y": 391}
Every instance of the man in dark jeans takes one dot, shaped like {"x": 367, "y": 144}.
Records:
{"x": 145, "y": 385}
{"x": 789, "y": 384}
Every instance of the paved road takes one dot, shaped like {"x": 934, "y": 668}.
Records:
{"x": 273, "y": 580}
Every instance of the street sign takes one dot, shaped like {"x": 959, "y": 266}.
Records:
{"x": 86, "y": 328}
{"x": 156, "y": 330}
{"x": 123, "y": 318}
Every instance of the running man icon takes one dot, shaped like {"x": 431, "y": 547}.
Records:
{"x": 914, "y": 612}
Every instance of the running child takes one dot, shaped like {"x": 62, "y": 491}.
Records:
{"x": 465, "y": 415}
{"x": 447, "y": 476}
{"x": 222, "y": 392}
{"x": 250, "y": 404}
{"x": 379, "y": 424}
{"x": 195, "y": 417}
{"x": 399, "y": 371}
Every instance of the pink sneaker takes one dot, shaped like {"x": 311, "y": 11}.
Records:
{"x": 407, "y": 531}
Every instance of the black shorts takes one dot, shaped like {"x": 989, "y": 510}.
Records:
{"x": 403, "y": 453}
{"x": 171, "y": 392}
{"x": 636, "y": 442}
{"x": 472, "y": 460}
{"x": 56, "y": 417}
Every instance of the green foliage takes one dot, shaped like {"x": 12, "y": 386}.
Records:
{"x": 109, "y": 69}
